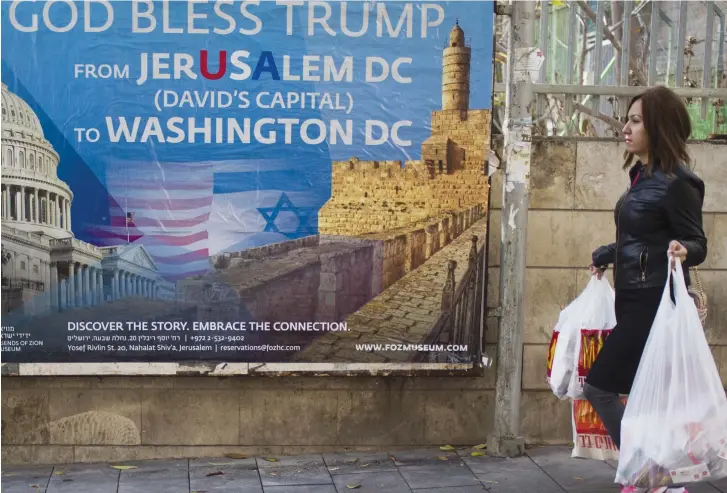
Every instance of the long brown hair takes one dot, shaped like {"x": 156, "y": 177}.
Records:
{"x": 668, "y": 128}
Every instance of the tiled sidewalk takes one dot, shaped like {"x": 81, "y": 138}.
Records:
{"x": 544, "y": 470}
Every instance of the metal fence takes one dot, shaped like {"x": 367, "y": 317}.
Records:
{"x": 599, "y": 54}
{"x": 461, "y": 321}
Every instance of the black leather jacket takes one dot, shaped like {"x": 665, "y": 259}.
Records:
{"x": 652, "y": 213}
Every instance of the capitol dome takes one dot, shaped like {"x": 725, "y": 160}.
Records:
{"x": 17, "y": 114}
{"x": 33, "y": 198}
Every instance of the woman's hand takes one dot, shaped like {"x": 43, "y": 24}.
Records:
{"x": 676, "y": 249}
{"x": 595, "y": 271}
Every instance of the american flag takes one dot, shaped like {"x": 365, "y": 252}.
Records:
{"x": 171, "y": 204}
{"x": 185, "y": 212}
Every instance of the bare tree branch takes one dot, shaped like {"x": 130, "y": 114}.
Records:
{"x": 599, "y": 116}
{"x": 582, "y": 59}
{"x": 616, "y": 44}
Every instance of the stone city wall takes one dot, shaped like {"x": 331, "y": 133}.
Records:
{"x": 378, "y": 196}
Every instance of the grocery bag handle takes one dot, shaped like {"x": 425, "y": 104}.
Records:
{"x": 680, "y": 288}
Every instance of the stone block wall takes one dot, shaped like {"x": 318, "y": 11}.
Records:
{"x": 288, "y": 297}
{"x": 376, "y": 196}
{"x": 574, "y": 188}
{"x": 345, "y": 283}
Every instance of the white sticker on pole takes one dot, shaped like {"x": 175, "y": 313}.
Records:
{"x": 493, "y": 163}
{"x": 527, "y": 64}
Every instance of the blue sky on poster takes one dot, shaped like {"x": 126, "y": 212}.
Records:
{"x": 41, "y": 65}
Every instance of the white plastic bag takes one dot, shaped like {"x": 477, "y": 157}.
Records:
{"x": 674, "y": 429}
{"x": 592, "y": 310}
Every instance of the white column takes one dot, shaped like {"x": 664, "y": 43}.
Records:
{"x": 137, "y": 285}
{"x": 23, "y": 205}
{"x": 146, "y": 288}
{"x": 115, "y": 286}
{"x": 71, "y": 284}
{"x": 36, "y": 214}
{"x": 69, "y": 215}
{"x": 53, "y": 286}
{"x": 4, "y": 205}
{"x": 79, "y": 285}
{"x": 66, "y": 223}
{"x": 63, "y": 293}
{"x": 92, "y": 286}
{"x": 99, "y": 286}
{"x": 47, "y": 207}
{"x": 128, "y": 284}
{"x": 58, "y": 212}
{"x": 47, "y": 283}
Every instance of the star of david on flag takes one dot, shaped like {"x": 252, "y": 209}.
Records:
{"x": 303, "y": 214}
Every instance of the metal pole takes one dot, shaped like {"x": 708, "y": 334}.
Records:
{"x": 506, "y": 440}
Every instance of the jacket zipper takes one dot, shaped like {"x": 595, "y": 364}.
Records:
{"x": 645, "y": 263}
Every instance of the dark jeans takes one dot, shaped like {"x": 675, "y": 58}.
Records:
{"x": 609, "y": 408}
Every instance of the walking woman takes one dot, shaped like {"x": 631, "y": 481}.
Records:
{"x": 661, "y": 211}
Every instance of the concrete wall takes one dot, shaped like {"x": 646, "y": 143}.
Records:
{"x": 574, "y": 188}
{"x": 575, "y": 185}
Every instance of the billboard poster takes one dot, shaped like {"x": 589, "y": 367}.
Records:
{"x": 256, "y": 181}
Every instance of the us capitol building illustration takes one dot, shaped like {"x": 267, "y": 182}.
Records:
{"x": 44, "y": 268}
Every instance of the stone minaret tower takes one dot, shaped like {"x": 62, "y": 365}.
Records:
{"x": 456, "y": 72}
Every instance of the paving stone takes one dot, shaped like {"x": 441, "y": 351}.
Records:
{"x": 701, "y": 488}
{"x": 223, "y": 462}
{"x": 235, "y": 478}
{"x": 440, "y": 475}
{"x": 456, "y": 489}
{"x": 353, "y": 462}
{"x": 19, "y": 479}
{"x": 151, "y": 476}
{"x": 376, "y": 482}
{"x": 720, "y": 485}
{"x": 574, "y": 475}
{"x": 511, "y": 475}
{"x": 421, "y": 457}
{"x": 294, "y": 471}
{"x": 84, "y": 478}
{"x": 318, "y": 488}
